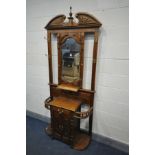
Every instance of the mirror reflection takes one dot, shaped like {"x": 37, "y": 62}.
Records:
{"x": 70, "y": 61}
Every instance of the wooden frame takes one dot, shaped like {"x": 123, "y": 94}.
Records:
{"x": 79, "y": 37}
{"x": 86, "y": 24}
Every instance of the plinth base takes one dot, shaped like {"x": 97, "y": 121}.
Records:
{"x": 81, "y": 141}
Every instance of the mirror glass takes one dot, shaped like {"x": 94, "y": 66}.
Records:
{"x": 70, "y": 61}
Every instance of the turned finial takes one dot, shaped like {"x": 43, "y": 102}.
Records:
{"x": 70, "y": 14}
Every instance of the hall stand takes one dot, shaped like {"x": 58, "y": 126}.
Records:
{"x": 67, "y": 97}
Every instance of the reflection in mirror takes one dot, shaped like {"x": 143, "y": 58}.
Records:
{"x": 70, "y": 61}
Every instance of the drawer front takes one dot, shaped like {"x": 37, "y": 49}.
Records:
{"x": 60, "y": 112}
{"x": 64, "y": 125}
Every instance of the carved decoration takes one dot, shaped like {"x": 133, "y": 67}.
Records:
{"x": 64, "y": 36}
{"x": 56, "y": 21}
{"x": 85, "y": 20}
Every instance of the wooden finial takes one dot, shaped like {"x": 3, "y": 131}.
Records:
{"x": 70, "y": 13}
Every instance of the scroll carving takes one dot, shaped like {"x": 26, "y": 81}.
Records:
{"x": 85, "y": 19}
{"x": 56, "y": 21}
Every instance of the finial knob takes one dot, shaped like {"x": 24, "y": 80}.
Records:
{"x": 70, "y": 14}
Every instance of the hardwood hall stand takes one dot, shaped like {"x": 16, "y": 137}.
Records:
{"x": 67, "y": 97}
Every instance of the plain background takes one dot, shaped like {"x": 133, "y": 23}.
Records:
{"x": 13, "y": 77}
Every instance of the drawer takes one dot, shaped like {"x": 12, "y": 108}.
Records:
{"x": 57, "y": 111}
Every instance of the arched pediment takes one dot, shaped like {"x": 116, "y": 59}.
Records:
{"x": 56, "y": 22}
{"x": 85, "y": 20}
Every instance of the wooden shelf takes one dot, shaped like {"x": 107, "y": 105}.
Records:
{"x": 68, "y": 87}
{"x": 66, "y": 103}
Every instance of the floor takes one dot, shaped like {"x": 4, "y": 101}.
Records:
{"x": 38, "y": 143}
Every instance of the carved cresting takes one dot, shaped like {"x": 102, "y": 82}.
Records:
{"x": 56, "y": 21}
{"x": 85, "y": 20}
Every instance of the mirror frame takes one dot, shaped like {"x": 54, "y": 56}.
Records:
{"x": 79, "y": 38}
